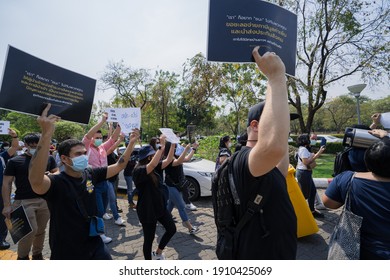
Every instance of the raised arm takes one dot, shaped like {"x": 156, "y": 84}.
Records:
{"x": 114, "y": 169}
{"x": 171, "y": 152}
{"x": 155, "y": 160}
{"x": 182, "y": 157}
{"x": 97, "y": 126}
{"x": 15, "y": 142}
{"x": 116, "y": 145}
{"x": 191, "y": 154}
{"x": 375, "y": 120}
{"x": 271, "y": 147}
{"x": 40, "y": 183}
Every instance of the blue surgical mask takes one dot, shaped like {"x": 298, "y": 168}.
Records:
{"x": 32, "y": 151}
{"x": 79, "y": 163}
{"x": 179, "y": 150}
{"x": 313, "y": 142}
{"x": 98, "y": 142}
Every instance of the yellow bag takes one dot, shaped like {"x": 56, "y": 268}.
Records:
{"x": 305, "y": 220}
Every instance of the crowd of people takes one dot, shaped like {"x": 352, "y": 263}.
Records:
{"x": 77, "y": 200}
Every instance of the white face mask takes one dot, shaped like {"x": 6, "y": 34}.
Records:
{"x": 229, "y": 145}
{"x": 313, "y": 142}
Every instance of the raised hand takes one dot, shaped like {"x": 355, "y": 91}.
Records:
{"x": 47, "y": 123}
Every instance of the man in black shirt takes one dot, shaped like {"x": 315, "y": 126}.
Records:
{"x": 70, "y": 194}
{"x": 263, "y": 163}
{"x": 35, "y": 206}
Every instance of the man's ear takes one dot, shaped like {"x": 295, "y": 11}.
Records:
{"x": 254, "y": 125}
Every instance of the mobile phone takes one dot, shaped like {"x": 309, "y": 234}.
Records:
{"x": 323, "y": 142}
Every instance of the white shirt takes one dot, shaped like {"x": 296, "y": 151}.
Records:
{"x": 303, "y": 152}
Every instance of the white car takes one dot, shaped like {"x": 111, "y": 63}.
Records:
{"x": 329, "y": 139}
{"x": 198, "y": 171}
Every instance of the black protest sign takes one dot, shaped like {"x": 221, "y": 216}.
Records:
{"x": 19, "y": 226}
{"x": 30, "y": 83}
{"x": 237, "y": 26}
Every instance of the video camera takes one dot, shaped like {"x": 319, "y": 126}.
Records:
{"x": 359, "y": 138}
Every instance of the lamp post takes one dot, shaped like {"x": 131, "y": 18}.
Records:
{"x": 355, "y": 90}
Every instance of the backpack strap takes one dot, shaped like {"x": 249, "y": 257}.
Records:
{"x": 254, "y": 205}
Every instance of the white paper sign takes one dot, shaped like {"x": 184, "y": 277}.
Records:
{"x": 4, "y": 125}
{"x": 128, "y": 118}
{"x": 385, "y": 120}
{"x": 171, "y": 136}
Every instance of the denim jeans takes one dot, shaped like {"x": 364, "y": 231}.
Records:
{"x": 3, "y": 227}
{"x": 112, "y": 199}
{"x": 101, "y": 197}
{"x": 176, "y": 199}
{"x": 130, "y": 191}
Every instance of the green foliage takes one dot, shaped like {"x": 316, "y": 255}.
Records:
{"x": 65, "y": 130}
{"x": 23, "y": 123}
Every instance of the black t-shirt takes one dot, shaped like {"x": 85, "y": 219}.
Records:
{"x": 128, "y": 171}
{"x": 278, "y": 213}
{"x": 112, "y": 159}
{"x": 18, "y": 167}
{"x": 174, "y": 174}
{"x": 69, "y": 231}
{"x": 151, "y": 204}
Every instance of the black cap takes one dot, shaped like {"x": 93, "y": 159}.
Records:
{"x": 256, "y": 111}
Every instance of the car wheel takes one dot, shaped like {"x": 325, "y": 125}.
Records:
{"x": 193, "y": 189}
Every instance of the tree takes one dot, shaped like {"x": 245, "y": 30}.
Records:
{"x": 241, "y": 87}
{"x": 24, "y": 123}
{"x": 65, "y": 130}
{"x": 132, "y": 86}
{"x": 337, "y": 39}
{"x": 165, "y": 83}
{"x": 341, "y": 110}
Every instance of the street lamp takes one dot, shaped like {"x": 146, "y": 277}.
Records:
{"x": 355, "y": 90}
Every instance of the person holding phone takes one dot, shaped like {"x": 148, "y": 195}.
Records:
{"x": 304, "y": 171}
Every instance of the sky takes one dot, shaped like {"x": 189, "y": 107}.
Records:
{"x": 85, "y": 35}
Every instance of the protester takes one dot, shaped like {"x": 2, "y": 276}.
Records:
{"x": 263, "y": 163}
{"x": 70, "y": 194}
{"x": 5, "y": 155}
{"x": 151, "y": 206}
{"x": 36, "y": 207}
{"x": 174, "y": 178}
{"x": 369, "y": 198}
{"x": 97, "y": 157}
{"x": 224, "y": 150}
{"x": 304, "y": 171}
{"x": 112, "y": 184}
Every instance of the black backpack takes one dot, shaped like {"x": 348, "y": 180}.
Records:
{"x": 226, "y": 205}
{"x": 341, "y": 162}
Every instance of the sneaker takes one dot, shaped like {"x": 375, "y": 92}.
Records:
{"x": 191, "y": 207}
{"x": 107, "y": 216}
{"x": 194, "y": 230}
{"x": 156, "y": 256}
{"x": 120, "y": 222}
{"x": 4, "y": 245}
{"x": 119, "y": 210}
{"x": 105, "y": 239}
{"x": 317, "y": 214}
{"x": 132, "y": 205}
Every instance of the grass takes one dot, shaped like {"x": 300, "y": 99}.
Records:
{"x": 324, "y": 168}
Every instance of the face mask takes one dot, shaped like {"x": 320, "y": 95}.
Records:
{"x": 79, "y": 163}
{"x": 158, "y": 146}
{"x": 32, "y": 151}
{"x": 313, "y": 142}
{"x": 229, "y": 145}
{"x": 98, "y": 142}
{"x": 179, "y": 150}
{"x": 5, "y": 148}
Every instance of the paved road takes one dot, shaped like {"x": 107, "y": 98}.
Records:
{"x": 127, "y": 241}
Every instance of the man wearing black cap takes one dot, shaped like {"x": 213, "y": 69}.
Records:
{"x": 263, "y": 163}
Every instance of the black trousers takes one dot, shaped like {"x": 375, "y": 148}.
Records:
{"x": 150, "y": 230}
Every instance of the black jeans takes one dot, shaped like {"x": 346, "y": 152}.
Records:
{"x": 306, "y": 182}
{"x": 150, "y": 230}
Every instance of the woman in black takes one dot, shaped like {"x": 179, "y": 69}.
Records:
{"x": 224, "y": 150}
{"x": 151, "y": 205}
